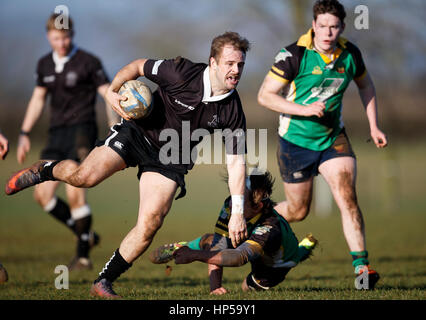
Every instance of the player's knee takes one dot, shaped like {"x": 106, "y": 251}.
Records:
{"x": 150, "y": 224}
{"x": 83, "y": 177}
{"x": 40, "y": 197}
{"x": 298, "y": 212}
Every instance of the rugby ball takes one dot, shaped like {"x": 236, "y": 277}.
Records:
{"x": 139, "y": 102}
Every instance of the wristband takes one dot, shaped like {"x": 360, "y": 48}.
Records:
{"x": 238, "y": 204}
{"x": 24, "y": 133}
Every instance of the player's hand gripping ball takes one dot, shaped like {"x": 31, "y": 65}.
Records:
{"x": 139, "y": 99}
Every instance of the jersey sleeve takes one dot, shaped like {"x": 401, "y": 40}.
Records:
{"x": 234, "y": 133}
{"x": 39, "y": 76}
{"x": 165, "y": 73}
{"x": 98, "y": 74}
{"x": 360, "y": 69}
{"x": 287, "y": 62}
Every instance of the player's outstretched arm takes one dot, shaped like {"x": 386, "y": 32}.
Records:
{"x": 130, "y": 72}
{"x": 367, "y": 93}
{"x": 4, "y": 146}
{"x": 236, "y": 180}
{"x": 34, "y": 109}
{"x": 269, "y": 96}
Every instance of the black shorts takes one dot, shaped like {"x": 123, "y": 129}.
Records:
{"x": 135, "y": 149}
{"x": 263, "y": 277}
{"x": 73, "y": 142}
{"x": 298, "y": 164}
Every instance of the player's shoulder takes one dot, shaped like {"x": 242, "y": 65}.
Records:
{"x": 290, "y": 52}
{"x": 352, "y": 47}
{"x": 86, "y": 55}
{"x": 46, "y": 58}
{"x": 184, "y": 66}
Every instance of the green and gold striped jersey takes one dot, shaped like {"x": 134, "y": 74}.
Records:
{"x": 312, "y": 76}
{"x": 268, "y": 230}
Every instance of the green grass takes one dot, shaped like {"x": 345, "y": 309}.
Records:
{"x": 32, "y": 244}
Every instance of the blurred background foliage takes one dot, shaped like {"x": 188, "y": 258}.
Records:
{"x": 393, "y": 47}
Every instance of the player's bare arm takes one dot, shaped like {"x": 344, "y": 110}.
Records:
{"x": 130, "y": 72}
{"x": 4, "y": 146}
{"x": 269, "y": 97}
{"x": 34, "y": 110}
{"x": 236, "y": 173}
{"x": 367, "y": 93}
{"x": 112, "y": 117}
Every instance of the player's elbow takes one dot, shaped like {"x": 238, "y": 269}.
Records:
{"x": 261, "y": 98}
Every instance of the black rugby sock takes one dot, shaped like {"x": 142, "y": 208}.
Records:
{"x": 61, "y": 211}
{"x": 114, "y": 268}
{"x": 46, "y": 173}
{"x": 82, "y": 229}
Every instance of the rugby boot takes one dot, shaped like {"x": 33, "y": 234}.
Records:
{"x": 103, "y": 289}
{"x": 164, "y": 253}
{"x": 373, "y": 277}
{"x": 306, "y": 246}
{"x": 26, "y": 177}
{"x": 80, "y": 263}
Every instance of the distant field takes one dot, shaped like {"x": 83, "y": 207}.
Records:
{"x": 391, "y": 193}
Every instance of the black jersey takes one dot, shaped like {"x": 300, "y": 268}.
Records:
{"x": 182, "y": 102}
{"x": 73, "y": 91}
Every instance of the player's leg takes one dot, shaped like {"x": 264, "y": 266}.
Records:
{"x": 156, "y": 194}
{"x": 297, "y": 167}
{"x": 81, "y": 219}
{"x": 44, "y": 194}
{"x": 101, "y": 163}
{"x": 340, "y": 174}
{"x": 298, "y": 200}
{"x": 164, "y": 253}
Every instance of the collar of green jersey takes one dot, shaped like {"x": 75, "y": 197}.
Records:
{"x": 307, "y": 40}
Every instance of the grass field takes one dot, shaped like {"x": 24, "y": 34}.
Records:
{"x": 32, "y": 244}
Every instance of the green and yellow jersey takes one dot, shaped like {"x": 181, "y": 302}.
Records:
{"x": 270, "y": 232}
{"x": 313, "y": 76}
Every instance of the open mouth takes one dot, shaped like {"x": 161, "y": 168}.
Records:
{"x": 233, "y": 79}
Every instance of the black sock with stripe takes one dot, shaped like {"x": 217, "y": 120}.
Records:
{"x": 114, "y": 268}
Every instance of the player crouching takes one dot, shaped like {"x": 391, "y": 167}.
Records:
{"x": 272, "y": 248}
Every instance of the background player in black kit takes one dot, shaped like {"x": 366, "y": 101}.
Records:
{"x": 197, "y": 94}
{"x": 72, "y": 78}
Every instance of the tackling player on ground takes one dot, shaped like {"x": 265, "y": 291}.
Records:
{"x": 314, "y": 73}
{"x": 72, "y": 78}
{"x": 272, "y": 248}
{"x": 190, "y": 94}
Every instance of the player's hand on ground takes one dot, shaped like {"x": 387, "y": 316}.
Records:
{"x": 379, "y": 138}
{"x": 237, "y": 229}
{"x": 314, "y": 109}
{"x": 114, "y": 99}
{"x": 4, "y": 147}
{"x": 24, "y": 145}
{"x": 219, "y": 291}
{"x": 183, "y": 255}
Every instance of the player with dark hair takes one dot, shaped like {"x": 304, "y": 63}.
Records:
{"x": 313, "y": 74}
{"x": 190, "y": 96}
{"x": 272, "y": 248}
{"x": 72, "y": 78}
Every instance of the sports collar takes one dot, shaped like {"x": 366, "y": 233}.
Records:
{"x": 307, "y": 40}
{"x": 208, "y": 89}
{"x": 60, "y": 61}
